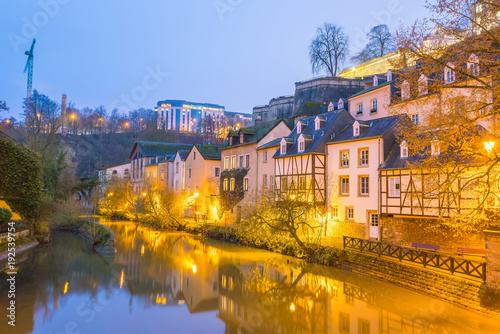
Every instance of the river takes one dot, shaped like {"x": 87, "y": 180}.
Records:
{"x": 177, "y": 283}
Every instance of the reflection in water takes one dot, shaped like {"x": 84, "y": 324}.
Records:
{"x": 176, "y": 283}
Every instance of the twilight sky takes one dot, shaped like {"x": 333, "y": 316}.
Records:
{"x": 130, "y": 54}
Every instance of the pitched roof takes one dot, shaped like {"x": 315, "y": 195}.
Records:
{"x": 208, "y": 151}
{"x": 157, "y": 149}
{"x": 257, "y": 132}
{"x": 383, "y": 84}
{"x": 335, "y": 121}
{"x": 368, "y": 129}
{"x": 272, "y": 143}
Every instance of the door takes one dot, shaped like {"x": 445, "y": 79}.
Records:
{"x": 373, "y": 221}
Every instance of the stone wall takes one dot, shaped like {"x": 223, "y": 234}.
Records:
{"x": 493, "y": 259}
{"x": 453, "y": 289}
{"x": 336, "y": 229}
{"x": 405, "y": 231}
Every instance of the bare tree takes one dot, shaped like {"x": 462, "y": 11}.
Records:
{"x": 453, "y": 84}
{"x": 3, "y": 106}
{"x": 329, "y": 49}
{"x": 380, "y": 43}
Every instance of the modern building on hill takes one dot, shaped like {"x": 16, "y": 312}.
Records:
{"x": 186, "y": 116}
{"x": 146, "y": 156}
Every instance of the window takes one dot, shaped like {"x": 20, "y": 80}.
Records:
{"x": 389, "y": 75}
{"x": 334, "y": 212}
{"x": 403, "y": 149}
{"x": 196, "y": 189}
{"x": 233, "y": 161}
{"x": 154, "y": 175}
{"x": 232, "y": 185}
{"x": 225, "y": 185}
{"x": 344, "y": 323}
{"x": 449, "y": 74}
{"x": 189, "y": 173}
{"x": 349, "y": 213}
{"x": 422, "y": 85}
{"x": 373, "y": 219}
{"x": 394, "y": 186}
{"x": 363, "y": 156}
{"x": 194, "y": 155}
{"x": 302, "y": 145}
{"x": 265, "y": 156}
{"x": 344, "y": 158}
{"x": 245, "y": 184}
{"x": 435, "y": 149}
{"x": 302, "y": 182}
{"x": 241, "y": 161}
{"x": 359, "y": 108}
{"x": 363, "y": 326}
{"x": 405, "y": 90}
{"x": 147, "y": 175}
{"x": 317, "y": 123}
{"x": 364, "y": 186}
{"x": 283, "y": 148}
{"x": 344, "y": 185}
{"x": 299, "y": 127}
{"x": 271, "y": 181}
{"x": 473, "y": 65}
{"x": 341, "y": 104}
{"x": 283, "y": 184}
{"x": 189, "y": 190}
{"x": 374, "y": 106}
{"x": 414, "y": 118}
{"x": 355, "y": 129}
{"x": 242, "y": 138}
{"x": 247, "y": 161}
{"x": 217, "y": 172}
{"x": 226, "y": 162}
{"x": 375, "y": 81}
{"x": 162, "y": 176}
{"x": 264, "y": 181}
{"x": 176, "y": 185}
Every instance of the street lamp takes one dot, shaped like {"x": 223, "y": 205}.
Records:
{"x": 489, "y": 145}
{"x": 195, "y": 197}
{"x": 73, "y": 116}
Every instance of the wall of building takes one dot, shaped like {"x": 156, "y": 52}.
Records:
{"x": 405, "y": 231}
{"x": 266, "y": 168}
{"x": 339, "y": 229}
{"x": 383, "y": 97}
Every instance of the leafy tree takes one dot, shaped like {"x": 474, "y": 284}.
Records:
{"x": 380, "y": 43}
{"x": 329, "y": 49}
{"x": 454, "y": 83}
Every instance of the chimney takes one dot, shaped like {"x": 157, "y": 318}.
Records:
{"x": 258, "y": 120}
{"x": 323, "y": 107}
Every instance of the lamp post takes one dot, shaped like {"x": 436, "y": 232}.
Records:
{"x": 73, "y": 122}
{"x": 195, "y": 197}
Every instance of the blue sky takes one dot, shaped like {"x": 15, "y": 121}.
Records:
{"x": 131, "y": 54}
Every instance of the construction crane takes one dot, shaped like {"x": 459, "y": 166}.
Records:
{"x": 29, "y": 68}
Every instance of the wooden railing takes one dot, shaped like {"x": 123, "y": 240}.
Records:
{"x": 427, "y": 259}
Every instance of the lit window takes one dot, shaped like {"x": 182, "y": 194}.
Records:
{"x": 349, "y": 213}
{"x": 334, "y": 212}
{"x": 302, "y": 182}
{"x": 162, "y": 176}
{"x": 344, "y": 158}
{"x": 363, "y": 157}
{"x": 394, "y": 186}
{"x": 283, "y": 184}
{"x": 233, "y": 184}
{"x": 405, "y": 90}
{"x": 363, "y": 185}
{"x": 217, "y": 172}
{"x": 225, "y": 185}
{"x": 233, "y": 161}
{"x": 226, "y": 163}
{"x": 245, "y": 184}
{"x": 344, "y": 185}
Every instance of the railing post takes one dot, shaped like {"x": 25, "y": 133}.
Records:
{"x": 424, "y": 259}
{"x": 344, "y": 237}
{"x": 400, "y": 253}
{"x": 484, "y": 272}
{"x": 452, "y": 265}
{"x": 379, "y": 249}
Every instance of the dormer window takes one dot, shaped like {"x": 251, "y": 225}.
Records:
{"x": 449, "y": 74}
{"x": 299, "y": 127}
{"x": 317, "y": 124}
{"x": 405, "y": 90}
{"x": 331, "y": 107}
{"x": 435, "y": 149}
{"x": 422, "y": 85}
{"x": 403, "y": 150}
{"x": 355, "y": 129}
{"x": 242, "y": 138}
{"x": 283, "y": 146}
{"x": 389, "y": 75}
{"x": 375, "y": 81}
{"x": 302, "y": 144}
{"x": 341, "y": 104}
{"x": 473, "y": 65}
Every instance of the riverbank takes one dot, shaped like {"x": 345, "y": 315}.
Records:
{"x": 21, "y": 246}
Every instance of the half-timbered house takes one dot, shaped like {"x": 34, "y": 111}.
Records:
{"x": 300, "y": 162}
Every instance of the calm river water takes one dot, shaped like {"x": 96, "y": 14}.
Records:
{"x": 176, "y": 283}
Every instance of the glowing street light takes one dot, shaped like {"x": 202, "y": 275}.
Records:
{"x": 196, "y": 195}
{"x": 292, "y": 197}
{"x": 194, "y": 268}
{"x": 489, "y": 145}
{"x": 292, "y": 307}
{"x": 144, "y": 194}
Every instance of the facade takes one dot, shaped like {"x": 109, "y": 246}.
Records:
{"x": 241, "y": 154}
{"x": 203, "y": 170}
{"x": 354, "y": 157}
{"x": 121, "y": 171}
{"x": 146, "y": 156}
{"x": 177, "y": 178}
{"x": 186, "y": 116}
{"x": 265, "y": 165}
{"x": 373, "y": 102}
{"x": 301, "y": 161}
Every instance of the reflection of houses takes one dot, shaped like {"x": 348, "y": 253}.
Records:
{"x": 354, "y": 156}
{"x": 300, "y": 162}
{"x": 146, "y": 156}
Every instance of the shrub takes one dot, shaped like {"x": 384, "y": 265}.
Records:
{"x": 5, "y": 215}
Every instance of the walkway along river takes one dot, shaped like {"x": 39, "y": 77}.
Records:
{"x": 177, "y": 283}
